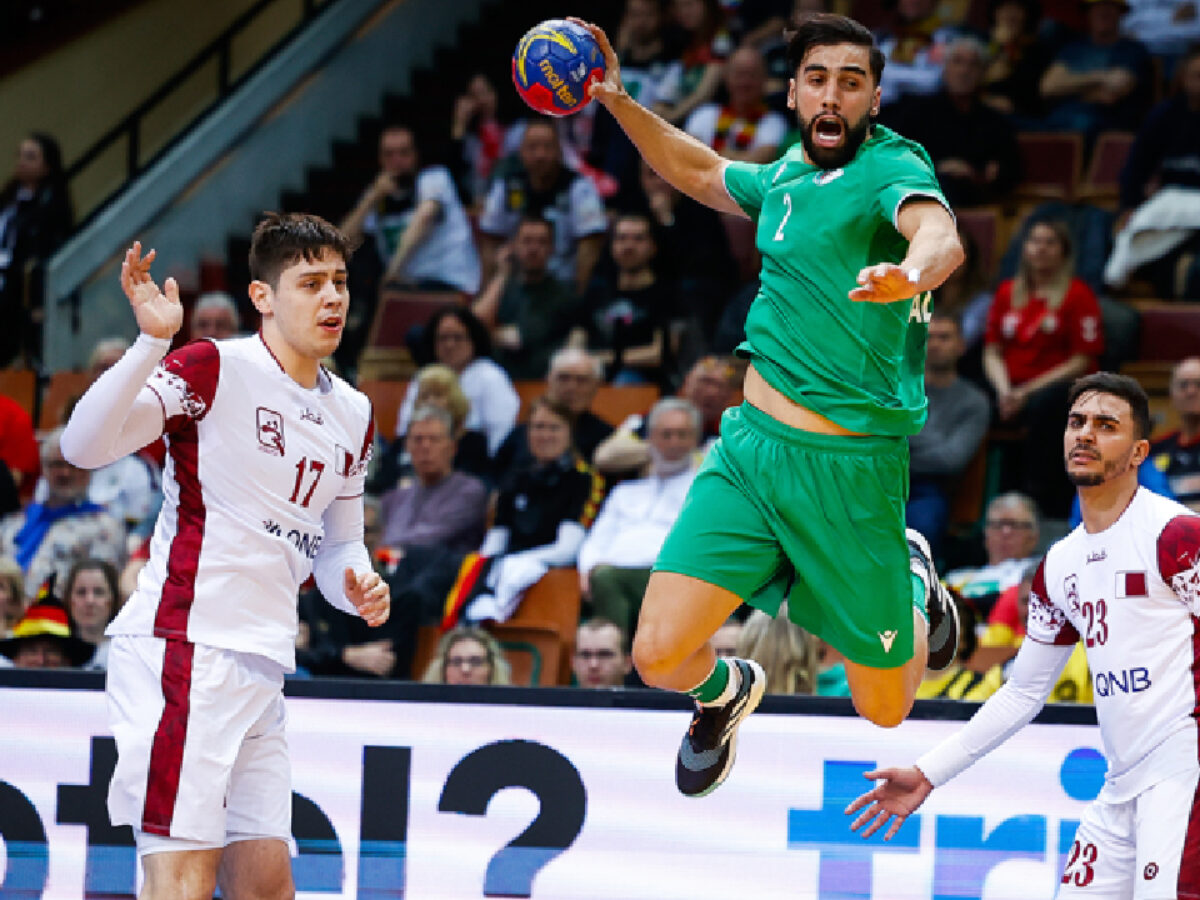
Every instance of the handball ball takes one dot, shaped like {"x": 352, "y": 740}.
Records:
{"x": 553, "y": 66}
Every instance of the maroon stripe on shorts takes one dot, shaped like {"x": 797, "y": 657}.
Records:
{"x": 166, "y": 752}
{"x": 1189, "y": 862}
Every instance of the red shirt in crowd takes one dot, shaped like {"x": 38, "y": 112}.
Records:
{"x": 1035, "y": 338}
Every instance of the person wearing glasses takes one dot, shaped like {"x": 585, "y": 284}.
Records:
{"x": 601, "y": 658}
{"x": 1011, "y": 531}
{"x": 468, "y": 655}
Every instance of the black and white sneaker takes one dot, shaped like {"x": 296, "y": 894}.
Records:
{"x": 710, "y": 745}
{"x": 939, "y": 604}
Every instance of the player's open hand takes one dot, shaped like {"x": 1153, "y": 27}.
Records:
{"x": 885, "y": 283}
{"x": 611, "y": 87}
{"x": 370, "y": 595}
{"x": 158, "y": 313}
{"x": 897, "y": 796}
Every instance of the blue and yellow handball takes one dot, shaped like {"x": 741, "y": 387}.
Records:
{"x": 554, "y": 65}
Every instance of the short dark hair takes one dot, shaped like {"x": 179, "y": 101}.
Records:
{"x": 282, "y": 239}
{"x": 481, "y": 342}
{"x": 531, "y": 219}
{"x": 555, "y": 409}
{"x": 1121, "y": 386}
{"x": 827, "y": 29}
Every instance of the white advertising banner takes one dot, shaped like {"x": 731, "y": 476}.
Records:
{"x": 428, "y": 798}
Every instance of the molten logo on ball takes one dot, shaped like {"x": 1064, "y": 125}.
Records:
{"x": 553, "y": 66}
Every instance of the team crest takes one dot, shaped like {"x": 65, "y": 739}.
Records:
{"x": 1071, "y": 589}
{"x": 270, "y": 431}
{"x": 828, "y": 176}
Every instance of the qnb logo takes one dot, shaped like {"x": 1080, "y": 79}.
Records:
{"x": 965, "y": 849}
{"x": 1126, "y": 681}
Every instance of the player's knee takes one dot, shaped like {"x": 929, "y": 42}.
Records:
{"x": 652, "y": 656}
{"x": 884, "y": 711}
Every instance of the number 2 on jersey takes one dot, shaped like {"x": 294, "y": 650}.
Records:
{"x": 303, "y": 467}
{"x": 787, "y": 202}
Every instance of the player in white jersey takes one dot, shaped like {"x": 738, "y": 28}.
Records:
{"x": 1126, "y": 581}
{"x": 267, "y": 453}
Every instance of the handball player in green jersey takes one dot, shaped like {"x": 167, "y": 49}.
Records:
{"x": 803, "y": 496}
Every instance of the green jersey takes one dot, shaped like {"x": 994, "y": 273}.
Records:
{"x": 859, "y": 364}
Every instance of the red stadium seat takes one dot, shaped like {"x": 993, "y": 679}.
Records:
{"x": 1051, "y": 165}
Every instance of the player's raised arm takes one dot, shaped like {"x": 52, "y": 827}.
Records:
{"x": 934, "y": 251}
{"x": 118, "y": 414}
{"x": 683, "y": 161}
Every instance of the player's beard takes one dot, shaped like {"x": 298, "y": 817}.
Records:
{"x": 1112, "y": 468}
{"x": 834, "y": 157}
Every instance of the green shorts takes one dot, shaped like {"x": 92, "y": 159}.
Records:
{"x": 818, "y": 519}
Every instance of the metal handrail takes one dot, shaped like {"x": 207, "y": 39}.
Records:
{"x": 220, "y": 49}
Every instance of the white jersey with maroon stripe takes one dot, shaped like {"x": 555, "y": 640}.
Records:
{"x": 254, "y": 460}
{"x": 1133, "y": 593}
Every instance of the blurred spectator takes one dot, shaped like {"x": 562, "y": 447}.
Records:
{"x": 959, "y": 414}
{"x": 572, "y": 382}
{"x": 529, "y": 311}
{"x": 415, "y": 220}
{"x": 1101, "y": 81}
{"x": 12, "y": 594}
{"x": 972, "y": 146}
{"x": 541, "y": 186}
{"x": 787, "y": 653}
{"x": 760, "y": 22}
{"x": 601, "y": 658}
{"x": 616, "y": 556}
{"x": 913, "y": 46}
{"x": 742, "y": 128}
{"x": 49, "y": 536}
{"x": 650, "y": 71}
{"x": 35, "y": 219}
{"x": 1018, "y": 58}
{"x": 459, "y": 341}
{"x": 1177, "y": 455}
{"x": 725, "y": 641}
{"x": 42, "y": 639}
{"x": 478, "y": 137}
{"x": 130, "y": 489}
{"x": 18, "y": 446}
{"x": 831, "y": 671}
{"x": 468, "y": 656}
{"x": 693, "y": 246}
{"x": 437, "y": 505}
{"x": 1043, "y": 331}
{"x": 93, "y": 599}
{"x": 214, "y": 316}
{"x": 706, "y": 44}
{"x": 631, "y": 306}
{"x": 436, "y": 385}
{"x": 1160, "y": 194}
{"x": 542, "y": 515}
{"x": 1011, "y": 532}
{"x": 1169, "y": 29}
{"x": 710, "y": 386}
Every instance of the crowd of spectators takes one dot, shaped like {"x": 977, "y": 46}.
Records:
{"x": 565, "y": 259}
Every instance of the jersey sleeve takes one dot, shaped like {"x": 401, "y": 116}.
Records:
{"x": 901, "y": 175}
{"x": 1048, "y": 622}
{"x": 747, "y": 184}
{"x": 186, "y": 382}
{"x": 353, "y": 469}
{"x": 1179, "y": 559}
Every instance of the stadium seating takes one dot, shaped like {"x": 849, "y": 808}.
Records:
{"x": 20, "y": 385}
{"x": 1101, "y": 185}
{"x": 62, "y": 390}
{"x": 1051, "y": 164}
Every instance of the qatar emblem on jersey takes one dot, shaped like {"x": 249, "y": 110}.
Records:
{"x": 270, "y": 431}
{"x": 1131, "y": 584}
{"x": 1071, "y": 589}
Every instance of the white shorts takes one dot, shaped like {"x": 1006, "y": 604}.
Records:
{"x": 1147, "y": 848}
{"x": 201, "y": 751}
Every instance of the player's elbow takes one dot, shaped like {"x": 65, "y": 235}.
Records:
{"x": 79, "y": 451}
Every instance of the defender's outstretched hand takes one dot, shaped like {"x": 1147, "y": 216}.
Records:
{"x": 885, "y": 283}
{"x": 899, "y": 795}
{"x": 370, "y": 595}
{"x": 158, "y": 313}
{"x": 611, "y": 86}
